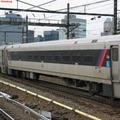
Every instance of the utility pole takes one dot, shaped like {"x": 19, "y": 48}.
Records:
{"x": 5, "y": 38}
{"x": 68, "y": 20}
{"x": 17, "y": 4}
{"x": 115, "y": 18}
{"x": 26, "y": 29}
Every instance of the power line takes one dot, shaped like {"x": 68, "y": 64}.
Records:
{"x": 78, "y": 6}
{"x": 38, "y": 6}
{"x": 31, "y": 4}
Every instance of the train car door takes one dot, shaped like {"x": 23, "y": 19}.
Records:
{"x": 115, "y": 62}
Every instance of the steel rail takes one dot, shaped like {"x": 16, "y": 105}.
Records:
{"x": 6, "y": 115}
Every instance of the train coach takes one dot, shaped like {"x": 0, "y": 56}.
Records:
{"x": 90, "y": 63}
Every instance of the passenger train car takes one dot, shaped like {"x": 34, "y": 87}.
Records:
{"x": 92, "y": 63}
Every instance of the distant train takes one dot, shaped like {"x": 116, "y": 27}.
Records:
{"x": 90, "y": 63}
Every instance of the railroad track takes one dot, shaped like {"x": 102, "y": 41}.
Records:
{"x": 83, "y": 99}
{"x": 102, "y": 104}
{"x": 5, "y": 116}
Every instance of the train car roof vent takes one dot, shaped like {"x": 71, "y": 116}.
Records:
{"x": 75, "y": 42}
{"x": 94, "y": 41}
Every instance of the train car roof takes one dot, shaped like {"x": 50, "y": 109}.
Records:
{"x": 100, "y": 39}
{"x": 2, "y": 47}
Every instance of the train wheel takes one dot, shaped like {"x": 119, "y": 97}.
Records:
{"x": 93, "y": 88}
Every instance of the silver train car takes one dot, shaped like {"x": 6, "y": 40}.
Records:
{"x": 92, "y": 63}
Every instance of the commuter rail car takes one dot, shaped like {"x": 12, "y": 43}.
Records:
{"x": 92, "y": 63}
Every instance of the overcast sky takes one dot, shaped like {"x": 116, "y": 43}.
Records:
{"x": 94, "y": 27}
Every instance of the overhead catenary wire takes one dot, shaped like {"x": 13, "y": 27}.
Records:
{"x": 87, "y": 9}
{"x": 31, "y": 5}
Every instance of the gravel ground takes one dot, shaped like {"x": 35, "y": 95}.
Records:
{"x": 15, "y": 111}
{"x": 70, "y": 115}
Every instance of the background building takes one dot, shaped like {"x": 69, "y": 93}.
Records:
{"x": 51, "y": 35}
{"x": 30, "y": 36}
{"x": 108, "y": 28}
{"x": 75, "y": 32}
{"x": 39, "y": 38}
{"x": 13, "y": 31}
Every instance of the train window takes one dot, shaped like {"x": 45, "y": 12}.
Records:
{"x": 49, "y": 58}
{"x": 115, "y": 54}
{"x": 66, "y": 58}
{"x": 19, "y": 57}
{"x": 35, "y": 57}
{"x": 13, "y": 57}
{"x": 29, "y": 57}
{"x": 57, "y": 58}
{"x": 88, "y": 59}
{"x": 42, "y": 57}
{"x": 76, "y": 58}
